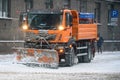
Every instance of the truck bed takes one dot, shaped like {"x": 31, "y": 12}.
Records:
{"x": 87, "y": 31}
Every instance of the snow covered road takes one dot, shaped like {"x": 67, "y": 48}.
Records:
{"x": 105, "y": 66}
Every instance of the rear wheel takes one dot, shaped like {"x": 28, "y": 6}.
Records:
{"x": 87, "y": 58}
{"x": 70, "y": 57}
{"x": 80, "y": 59}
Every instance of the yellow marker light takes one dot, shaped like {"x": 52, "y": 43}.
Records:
{"x": 61, "y": 27}
{"x": 70, "y": 46}
{"x": 25, "y": 27}
{"x": 61, "y": 50}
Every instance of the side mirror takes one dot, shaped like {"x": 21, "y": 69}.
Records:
{"x": 22, "y": 19}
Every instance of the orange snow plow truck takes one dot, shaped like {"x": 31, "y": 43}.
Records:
{"x": 56, "y": 38}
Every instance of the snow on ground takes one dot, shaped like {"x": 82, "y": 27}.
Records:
{"x": 107, "y": 62}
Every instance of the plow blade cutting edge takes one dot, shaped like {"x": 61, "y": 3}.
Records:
{"x": 41, "y": 57}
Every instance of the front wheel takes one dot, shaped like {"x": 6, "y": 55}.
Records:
{"x": 70, "y": 56}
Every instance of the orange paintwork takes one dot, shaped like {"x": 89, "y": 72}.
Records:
{"x": 87, "y": 31}
{"x": 83, "y": 31}
{"x": 78, "y": 31}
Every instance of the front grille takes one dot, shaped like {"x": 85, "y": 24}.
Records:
{"x": 43, "y": 34}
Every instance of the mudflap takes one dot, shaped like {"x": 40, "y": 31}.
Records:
{"x": 40, "y": 57}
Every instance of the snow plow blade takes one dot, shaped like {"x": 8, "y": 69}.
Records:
{"x": 40, "y": 57}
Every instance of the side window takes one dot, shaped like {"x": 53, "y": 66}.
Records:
{"x": 68, "y": 19}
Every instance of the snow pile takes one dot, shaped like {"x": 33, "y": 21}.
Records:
{"x": 108, "y": 62}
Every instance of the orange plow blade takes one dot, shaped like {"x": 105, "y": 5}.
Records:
{"x": 41, "y": 57}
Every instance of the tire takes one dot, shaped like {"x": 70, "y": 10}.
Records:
{"x": 70, "y": 57}
{"x": 80, "y": 59}
{"x": 87, "y": 58}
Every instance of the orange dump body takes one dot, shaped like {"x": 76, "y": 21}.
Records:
{"x": 87, "y": 31}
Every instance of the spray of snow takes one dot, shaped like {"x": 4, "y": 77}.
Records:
{"x": 108, "y": 62}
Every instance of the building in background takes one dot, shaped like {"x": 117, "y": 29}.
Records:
{"x": 107, "y": 16}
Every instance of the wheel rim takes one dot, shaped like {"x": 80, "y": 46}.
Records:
{"x": 89, "y": 53}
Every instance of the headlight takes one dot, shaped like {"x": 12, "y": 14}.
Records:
{"x": 61, "y": 50}
{"x": 25, "y": 27}
{"x": 60, "y": 27}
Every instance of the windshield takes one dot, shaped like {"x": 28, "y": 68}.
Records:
{"x": 44, "y": 21}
